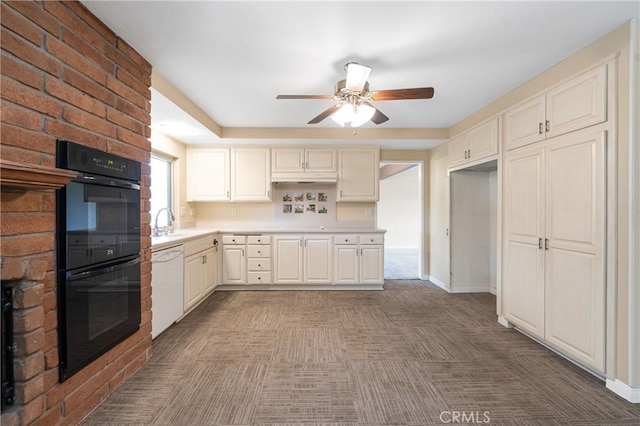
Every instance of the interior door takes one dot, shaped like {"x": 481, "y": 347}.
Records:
{"x": 575, "y": 224}
{"x": 523, "y": 291}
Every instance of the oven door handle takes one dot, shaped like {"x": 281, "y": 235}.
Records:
{"x": 106, "y": 181}
{"x": 101, "y": 271}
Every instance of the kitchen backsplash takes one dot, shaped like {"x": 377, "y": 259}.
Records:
{"x": 294, "y": 205}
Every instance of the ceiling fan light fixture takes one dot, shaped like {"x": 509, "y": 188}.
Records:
{"x": 364, "y": 112}
{"x": 357, "y": 76}
{"x": 344, "y": 115}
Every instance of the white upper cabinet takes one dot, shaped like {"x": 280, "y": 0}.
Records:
{"x": 250, "y": 174}
{"x": 287, "y": 160}
{"x": 320, "y": 160}
{"x": 458, "y": 148}
{"x": 476, "y": 144}
{"x": 578, "y": 103}
{"x": 524, "y": 124}
{"x": 208, "y": 174}
{"x": 359, "y": 174}
{"x": 301, "y": 164}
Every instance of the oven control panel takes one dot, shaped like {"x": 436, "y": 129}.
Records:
{"x": 81, "y": 158}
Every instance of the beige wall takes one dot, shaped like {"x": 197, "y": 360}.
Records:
{"x": 439, "y": 216}
{"x": 615, "y": 43}
{"x": 418, "y": 156}
{"x": 168, "y": 147}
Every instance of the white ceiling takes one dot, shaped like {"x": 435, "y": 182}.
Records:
{"x": 231, "y": 58}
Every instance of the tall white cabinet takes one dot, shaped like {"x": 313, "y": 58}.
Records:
{"x": 554, "y": 243}
{"x": 358, "y": 174}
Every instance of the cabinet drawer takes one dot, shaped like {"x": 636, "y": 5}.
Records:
{"x": 233, "y": 239}
{"x": 259, "y": 277}
{"x": 259, "y": 239}
{"x": 346, "y": 239}
{"x": 258, "y": 264}
{"x": 198, "y": 245}
{"x": 371, "y": 239}
{"x": 259, "y": 251}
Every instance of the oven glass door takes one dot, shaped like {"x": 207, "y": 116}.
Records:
{"x": 102, "y": 308}
{"x": 103, "y": 223}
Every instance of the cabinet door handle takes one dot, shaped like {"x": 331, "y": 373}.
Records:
{"x": 540, "y": 128}
{"x": 465, "y": 154}
{"x": 469, "y": 153}
{"x": 546, "y": 244}
{"x": 302, "y": 165}
{"x": 546, "y": 126}
{"x": 268, "y": 194}
{"x": 242, "y": 252}
{"x": 227, "y": 194}
{"x": 539, "y": 243}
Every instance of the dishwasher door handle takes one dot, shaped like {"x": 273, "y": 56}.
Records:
{"x": 167, "y": 257}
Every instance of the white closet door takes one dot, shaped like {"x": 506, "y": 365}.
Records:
{"x": 523, "y": 292}
{"x": 575, "y": 224}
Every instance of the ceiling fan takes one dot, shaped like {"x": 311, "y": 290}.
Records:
{"x": 355, "y": 100}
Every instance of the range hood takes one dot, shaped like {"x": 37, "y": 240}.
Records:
{"x": 302, "y": 177}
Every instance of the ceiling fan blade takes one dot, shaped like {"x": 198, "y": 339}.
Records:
{"x": 357, "y": 76}
{"x": 399, "y": 94}
{"x": 304, "y": 97}
{"x": 379, "y": 117}
{"x": 324, "y": 114}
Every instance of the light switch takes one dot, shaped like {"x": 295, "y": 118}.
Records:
{"x": 368, "y": 212}
{"x": 233, "y": 211}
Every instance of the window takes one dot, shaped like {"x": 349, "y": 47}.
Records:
{"x": 160, "y": 189}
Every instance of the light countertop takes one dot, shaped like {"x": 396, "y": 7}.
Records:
{"x": 183, "y": 235}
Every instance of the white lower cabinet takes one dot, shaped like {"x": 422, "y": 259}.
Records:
{"x": 200, "y": 270}
{"x": 234, "y": 261}
{"x": 317, "y": 268}
{"x": 302, "y": 259}
{"x": 259, "y": 259}
{"x": 554, "y": 243}
{"x": 287, "y": 259}
{"x": 359, "y": 259}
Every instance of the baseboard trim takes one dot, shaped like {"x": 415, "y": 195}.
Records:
{"x": 437, "y": 282}
{"x": 251, "y": 287}
{"x": 624, "y": 390}
{"x": 469, "y": 289}
{"x": 504, "y": 322}
{"x": 493, "y": 291}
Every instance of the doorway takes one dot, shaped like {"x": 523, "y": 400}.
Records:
{"x": 401, "y": 212}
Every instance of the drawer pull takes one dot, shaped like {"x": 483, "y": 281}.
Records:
{"x": 259, "y": 278}
{"x": 259, "y": 240}
{"x": 346, "y": 240}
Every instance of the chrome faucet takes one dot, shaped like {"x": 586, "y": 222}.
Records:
{"x": 156, "y": 230}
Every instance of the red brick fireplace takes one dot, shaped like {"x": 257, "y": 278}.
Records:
{"x": 64, "y": 75}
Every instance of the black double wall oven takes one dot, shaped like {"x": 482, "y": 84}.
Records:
{"x": 98, "y": 254}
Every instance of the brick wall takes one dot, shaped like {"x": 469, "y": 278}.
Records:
{"x": 64, "y": 75}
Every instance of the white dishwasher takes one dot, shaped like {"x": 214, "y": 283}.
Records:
{"x": 167, "y": 266}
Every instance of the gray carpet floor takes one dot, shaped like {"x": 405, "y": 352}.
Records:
{"x": 409, "y": 355}
{"x": 401, "y": 263}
